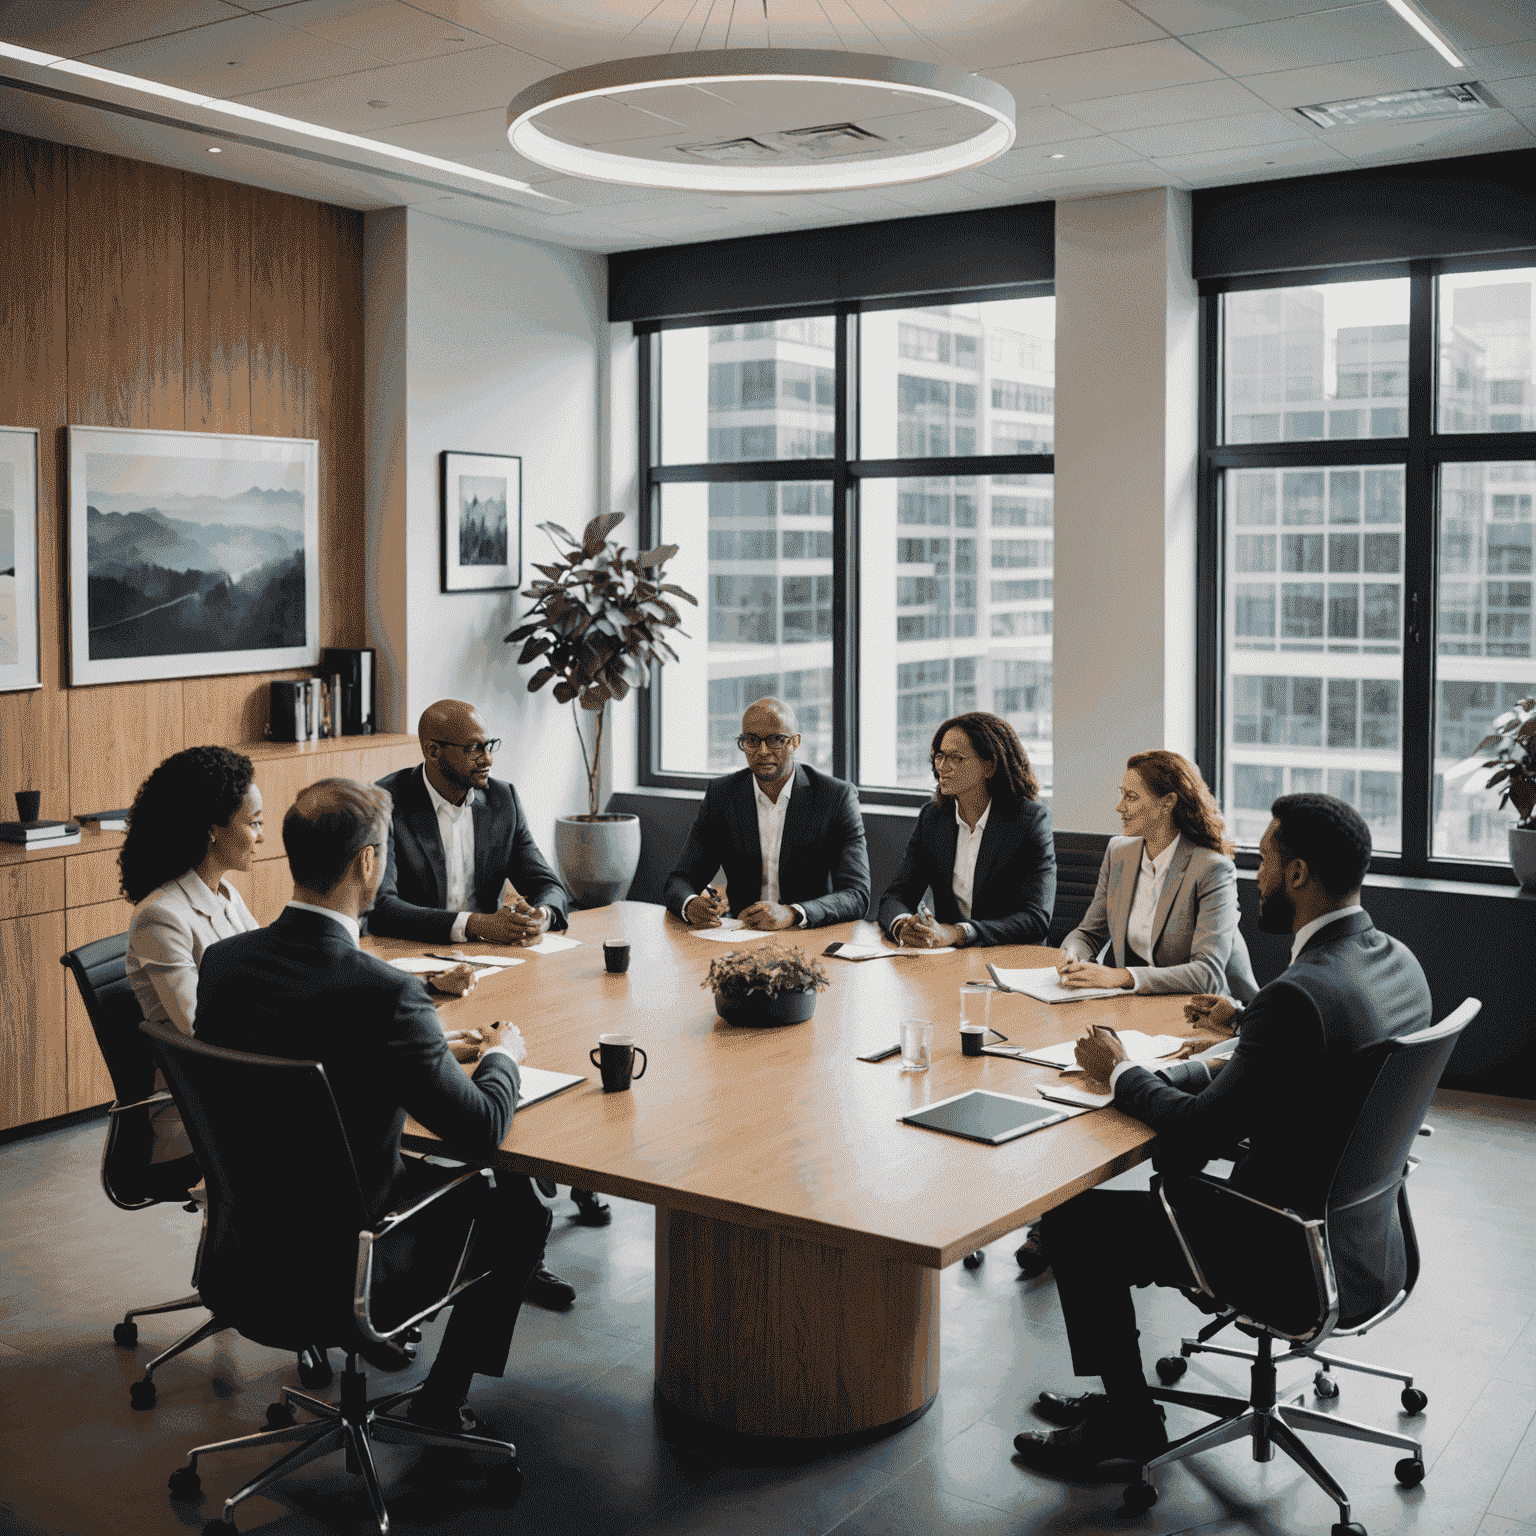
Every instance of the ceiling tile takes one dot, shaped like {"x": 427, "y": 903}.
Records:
{"x": 1050, "y": 125}
{"x": 393, "y": 31}
{"x": 1221, "y": 135}
{"x": 1514, "y": 59}
{"x": 1277, "y": 160}
{"x": 982, "y": 34}
{"x": 1481, "y": 23}
{"x": 1106, "y": 72}
{"x": 481, "y": 80}
{"x": 1517, "y": 94}
{"x": 235, "y": 58}
{"x": 452, "y": 138}
{"x": 1414, "y": 70}
{"x": 1182, "y": 17}
{"x": 1326, "y": 37}
{"x": 1177, "y": 104}
{"x": 1028, "y": 164}
{"x": 73, "y": 30}
{"x": 1115, "y": 178}
{"x": 1483, "y": 134}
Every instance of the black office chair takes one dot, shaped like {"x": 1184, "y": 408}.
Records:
{"x": 131, "y": 1181}
{"x": 289, "y": 1255}
{"x": 1276, "y": 1275}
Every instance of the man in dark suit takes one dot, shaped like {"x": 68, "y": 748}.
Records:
{"x": 790, "y": 838}
{"x": 1348, "y": 988}
{"x": 303, "y": 989}
{"x": 462, "y": 864}
{"x": 458, "y": 839}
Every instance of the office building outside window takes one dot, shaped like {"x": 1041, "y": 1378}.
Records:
{"x": 1321, "y": 611}
{"x": 951, "y": 574}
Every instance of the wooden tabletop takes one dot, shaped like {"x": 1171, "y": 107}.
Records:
{"x": 783, "y": 1128}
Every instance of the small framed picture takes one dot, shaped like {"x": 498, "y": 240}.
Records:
{"x": 482, "y": 522}
{"x": 20, "y": 659}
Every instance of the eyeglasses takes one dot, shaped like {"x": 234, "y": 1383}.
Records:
{"x": 752, "y": 743}
{"x": 473, "y": 748}
{"x": 953, "y": 759}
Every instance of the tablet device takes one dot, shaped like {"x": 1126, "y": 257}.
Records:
{"x": 990, "y": 1117}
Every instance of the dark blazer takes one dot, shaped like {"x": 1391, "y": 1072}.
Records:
{"x": 1015, "y": 885}
{"x": 410, "y": 903}
{"x": 304, "y": 990}
{"x": 1292, "y": 1088}
{"x": 823, "y": 860}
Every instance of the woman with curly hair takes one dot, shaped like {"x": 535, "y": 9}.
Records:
{"x": 1166, "y": 903}
{"x": 195, "y": 819}
{"x": 983, "y": 845}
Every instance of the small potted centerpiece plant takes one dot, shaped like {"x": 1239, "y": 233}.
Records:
{"x": 767, "y": 984}
{"x": 1505, "y": 759}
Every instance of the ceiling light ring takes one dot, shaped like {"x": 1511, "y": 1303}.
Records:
{"x": 724, "y": 66}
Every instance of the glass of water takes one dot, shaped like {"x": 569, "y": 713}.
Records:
{"x": 916, "y": 1045}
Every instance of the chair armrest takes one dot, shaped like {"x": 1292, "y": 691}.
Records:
{"x": 393, "y": 1219}
{"x": 152, "y": 1100}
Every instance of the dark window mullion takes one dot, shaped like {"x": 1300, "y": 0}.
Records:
{"x": 844, "y": 610}
{"x": 1210, "y": 637}
{"x": 1419, "y": 538}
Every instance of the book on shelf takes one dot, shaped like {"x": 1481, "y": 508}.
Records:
{"x": 33, "y": 832}
{"x": 106, "y": 821}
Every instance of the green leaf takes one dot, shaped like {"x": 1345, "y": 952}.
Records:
{"x": 595, "y": 697}
{"x": 658, "y": 556}
{"x": 541, "y": 677}
{"x": 554, "y": 572}
{"x": 535, "y": 647}
{"x": 565, "y": 691}
{"x": 667, "y": 586}
{"x": 565, "y": 533}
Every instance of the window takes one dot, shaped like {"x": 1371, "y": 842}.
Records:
{"x": 885, "y": 592}
{"x": 1376, "y": 587}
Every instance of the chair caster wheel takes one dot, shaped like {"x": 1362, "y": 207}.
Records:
{"x": 314, "y": 1369}
{"x": 1354, "y": 1528}
{"x": 1170, "y": 1368}
{"x": 1414, "y": 1401}
{"x": 504, "y": 1485}
{"x": 126, "y": 1335}
{"x": 280, "y": 1416}
{"x": 1409, "y": 1471}
{"x": 974, "y": 1260}
{"x": 142, "y": 1394}
{"x": 1139, "y": 1498}
{"x": 1323, "y": 1385}
{"x": 184, "y": 1483}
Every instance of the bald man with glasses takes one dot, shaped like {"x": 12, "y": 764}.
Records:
{"x": 790, "y": 838}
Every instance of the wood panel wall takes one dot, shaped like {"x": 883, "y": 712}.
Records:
{"x": 136, "y": 296}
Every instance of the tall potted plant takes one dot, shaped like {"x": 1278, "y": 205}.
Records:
{"x": 596, "y": 627}
{"x": 1511, "y": 768}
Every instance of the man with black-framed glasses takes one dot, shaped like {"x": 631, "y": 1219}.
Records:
{"x": 790, "y": 838}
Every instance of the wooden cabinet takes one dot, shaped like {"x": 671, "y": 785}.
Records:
{"x": 53, "y": 901}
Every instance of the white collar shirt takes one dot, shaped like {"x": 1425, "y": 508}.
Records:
{"x": 1149, "y": 888}
{"x": 967, "y": 846}
{"x": 348, "y": 923}
{"x": 456, "y": 827}
{"x": 770, "y": 834}
{"x": 1306, "y": 931}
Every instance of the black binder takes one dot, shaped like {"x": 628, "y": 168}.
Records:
{"x": 357, "y": 690}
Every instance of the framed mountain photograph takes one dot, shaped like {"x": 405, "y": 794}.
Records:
{"x": 191, "y": 554}
{"x": 20, "y": 659}
{"x": 482, "y": 522}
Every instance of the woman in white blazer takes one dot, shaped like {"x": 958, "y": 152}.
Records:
{"x": 195, "y": 819}
{"x": 1164, "y": 916}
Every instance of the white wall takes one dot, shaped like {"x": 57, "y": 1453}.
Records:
{"x": 1126, "y": 444}
{"x": 484, "y": 343}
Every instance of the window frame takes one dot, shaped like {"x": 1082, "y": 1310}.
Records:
{"x": 844, "y": 469}
{"x": 1421, "y": 453}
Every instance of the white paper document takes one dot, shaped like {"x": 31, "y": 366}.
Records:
{"x": 1078, "y": 1098}
{"x": 740, "y": 934}
{"x": 552, "y": 944}
{"x": 1042, "y": 984}
{"x": 879, "y": 952}
{"x": 539, "y": 1084}
{"x": 1138, "y": 1047}
{"x": 421, "y": 965}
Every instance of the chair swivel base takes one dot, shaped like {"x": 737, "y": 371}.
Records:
{"x": 1269, "y": 1428}
{"x": 349, "y": 1426}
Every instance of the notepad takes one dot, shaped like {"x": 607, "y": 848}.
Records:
{"x": 982, "y": 1116}
{"x": 843, "y": 951}
{"x": 739, "y": 934}
{"x": 1078, "y": 1098}
{"x": 1042, "y": 984}
{"x": 552, "y": 944}
{"x": 538, "y": 1083}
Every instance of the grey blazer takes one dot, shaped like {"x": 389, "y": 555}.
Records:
{"x": 1195, "y": 943}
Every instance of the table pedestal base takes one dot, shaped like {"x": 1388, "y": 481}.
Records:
{"x": 764, "y": 1337}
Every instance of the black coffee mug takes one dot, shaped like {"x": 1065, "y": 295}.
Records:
{"x": 614, "y": 1056}
{"x": 616, "y": 955}
{"x": 974, "y": 1036}
{"x": 28, "y": 804}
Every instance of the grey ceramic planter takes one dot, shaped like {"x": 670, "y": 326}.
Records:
{"x": 598, "y": 858}
{"x": 1522, "y": 856}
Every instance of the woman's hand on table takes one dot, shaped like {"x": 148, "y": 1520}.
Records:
{"x": 1080, "y": 974}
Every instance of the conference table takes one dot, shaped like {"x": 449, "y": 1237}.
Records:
{"x": 800, "y": 1226}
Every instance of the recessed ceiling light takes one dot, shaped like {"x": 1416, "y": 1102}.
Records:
{"x": 1394, "y": 106}
{"x": 213, "y": 149}
{"x": 1055, "y": 157}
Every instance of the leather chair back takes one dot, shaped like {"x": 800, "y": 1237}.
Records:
{"x": 1079, "y": 856}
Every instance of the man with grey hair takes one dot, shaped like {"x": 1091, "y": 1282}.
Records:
{"x": 789, "y": 837}
{"x": 303, "y": 989}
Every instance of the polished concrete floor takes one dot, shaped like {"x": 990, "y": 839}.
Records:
{"x": 577, "y": 1400}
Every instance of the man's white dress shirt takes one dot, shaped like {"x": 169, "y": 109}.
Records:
{"x": 770, "y": 837}
{"x": 456, "y": 827}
